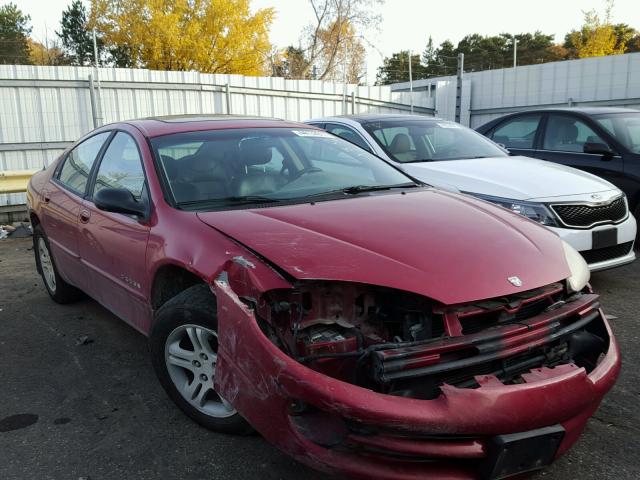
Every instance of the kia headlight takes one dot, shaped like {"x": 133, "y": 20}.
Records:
{"x": 537, "y": 212}
{"x": 580, "y": 273}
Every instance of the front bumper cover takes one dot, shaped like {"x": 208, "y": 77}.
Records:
{"x": 262, "y": 382}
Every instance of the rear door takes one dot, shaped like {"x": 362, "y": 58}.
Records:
{"x": 62, "y": 201}
{"x": 113, "y": 245}
{"x": 563, "y": 138}
{"x": 518, "y": 134}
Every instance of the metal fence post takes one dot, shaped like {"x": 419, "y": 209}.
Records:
{"x": 227, "y": 92}
{"x": 353, "y": 103}
{"x": 92, "y": 98}
{"x": 459, "y": 87}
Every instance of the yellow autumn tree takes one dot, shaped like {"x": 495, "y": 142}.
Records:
{"x": 212, "y": 36}
{"x": 597, "y": 37}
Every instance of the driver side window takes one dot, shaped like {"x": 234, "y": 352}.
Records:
{"x": 568, "y": 134}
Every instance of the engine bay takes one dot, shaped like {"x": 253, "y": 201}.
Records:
{"x": 400, "y": 343}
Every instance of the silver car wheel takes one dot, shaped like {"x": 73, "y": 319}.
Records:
{"x": 191, "y": 355}
{"x": 48, "y": 272}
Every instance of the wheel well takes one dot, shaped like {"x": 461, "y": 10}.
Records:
{"x": 169, "y": 281}
{"x": 35, "y": 221}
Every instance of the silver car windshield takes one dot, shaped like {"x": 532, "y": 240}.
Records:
{"x": 232, "y": 167}
{"x": 420, "y": 140}
{"x": 625, "y": 127}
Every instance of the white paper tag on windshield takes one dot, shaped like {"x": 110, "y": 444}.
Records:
{"x": 448, "y": 125}
{"x": 312, "y": 133}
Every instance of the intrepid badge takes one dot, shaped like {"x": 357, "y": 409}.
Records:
{"x": 515, "y": 281}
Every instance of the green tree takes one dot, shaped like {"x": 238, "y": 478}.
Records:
{"x": 14, "y": 35}
{"x": 291, "y": 63}
{"x": 76, "y": 38}
{"x": 395, "y": 69}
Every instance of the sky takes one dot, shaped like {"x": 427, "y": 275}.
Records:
{"x": 406, "y": 24}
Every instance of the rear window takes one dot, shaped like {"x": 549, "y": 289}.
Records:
{"x": 77, "y": 165}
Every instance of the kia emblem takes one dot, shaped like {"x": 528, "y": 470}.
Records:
{"x": 596, "y": 196}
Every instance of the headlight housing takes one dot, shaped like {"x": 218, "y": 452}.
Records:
{"x": 537, "y": 212}
{"x": 580, "y": 273}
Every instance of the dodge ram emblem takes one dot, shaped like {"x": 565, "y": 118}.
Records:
{"x": 515, "y": 281}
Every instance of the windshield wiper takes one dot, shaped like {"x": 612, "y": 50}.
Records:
{"x": 247, "y": 199}
{"x": 355, "y": 189}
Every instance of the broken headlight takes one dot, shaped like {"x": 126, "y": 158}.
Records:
{"x": 580, "y": 273}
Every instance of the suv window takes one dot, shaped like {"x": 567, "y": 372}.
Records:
{"x": 75, "y": 170}
{"x": 348, "y": 134}
{"x": 121, "y": 166}
{"x": 568, "y": 134}
{"x": 519, "y": 132}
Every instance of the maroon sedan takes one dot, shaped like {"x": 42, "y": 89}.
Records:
{"x": 292, "y": 283}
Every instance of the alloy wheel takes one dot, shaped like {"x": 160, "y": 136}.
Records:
{"x": 191, "y": 357}
{"x": 48, "y": 272}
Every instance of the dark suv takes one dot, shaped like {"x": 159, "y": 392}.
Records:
{"x": 601, "y": 140}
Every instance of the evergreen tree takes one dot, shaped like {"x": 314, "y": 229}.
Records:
{"x": 14, "y": 36}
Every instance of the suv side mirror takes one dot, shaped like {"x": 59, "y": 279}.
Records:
{"x": 598, "y": 148}
{"x": 119, "y": 200}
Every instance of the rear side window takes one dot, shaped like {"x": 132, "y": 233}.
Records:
{"x": 77, "y": 165}
{"x": 121, "y": 166}
{"x": 519, "y": 132}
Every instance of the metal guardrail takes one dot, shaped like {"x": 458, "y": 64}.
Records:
{"x": 15, "y": 181}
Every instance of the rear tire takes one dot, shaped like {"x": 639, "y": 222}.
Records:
{"x": 184, "y": 345}
{"x": 59, "y": 290}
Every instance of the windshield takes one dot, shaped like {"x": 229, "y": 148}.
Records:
{"x": 219, "y": 168}
{"x": 625, "y": 127}
{"x": 430, "y": 140}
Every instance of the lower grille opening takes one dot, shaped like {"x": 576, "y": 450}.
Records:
{"x": 608, "y": 253}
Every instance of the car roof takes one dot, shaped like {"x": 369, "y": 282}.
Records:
{"x": 585, "y": 110}
{"x": 375, "y": 117}
{"x": 164, "y": 125}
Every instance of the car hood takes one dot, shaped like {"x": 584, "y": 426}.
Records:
{"x": 448, "y": 247}
{"x": 518, "y": 178}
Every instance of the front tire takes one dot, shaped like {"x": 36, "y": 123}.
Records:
{"x": 59, "y": 290}
{"x": 184, "y": 346}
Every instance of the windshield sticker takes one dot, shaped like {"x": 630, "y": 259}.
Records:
{"x": 312, "y": 133}
{"x": 448, "y": 125}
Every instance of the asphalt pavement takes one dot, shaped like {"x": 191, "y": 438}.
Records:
{"x": 79, "y": 399}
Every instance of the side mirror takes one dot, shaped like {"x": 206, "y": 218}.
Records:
{"x": 119, "y": 200}
{"x": 598, "y": 148}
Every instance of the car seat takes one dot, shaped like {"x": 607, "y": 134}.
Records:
{"x": 400, "y": 148}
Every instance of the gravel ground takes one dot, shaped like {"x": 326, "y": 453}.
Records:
{"x": 91, "y": 407}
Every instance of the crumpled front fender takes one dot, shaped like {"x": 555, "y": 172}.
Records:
{"x": 261, "y": 381}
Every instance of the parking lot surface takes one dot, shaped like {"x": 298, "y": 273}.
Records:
{"x": 79, "y": 399}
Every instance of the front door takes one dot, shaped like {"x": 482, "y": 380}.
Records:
{"x": 112, "y": 245}
{"x": 563, "y": 141}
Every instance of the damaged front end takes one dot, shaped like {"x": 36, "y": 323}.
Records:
{"x": 380, "y": 383}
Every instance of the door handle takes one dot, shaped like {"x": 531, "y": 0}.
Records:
{"x": 85, "y": 216}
